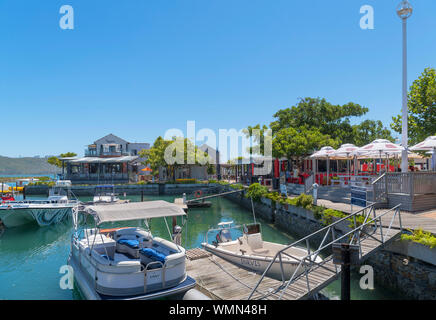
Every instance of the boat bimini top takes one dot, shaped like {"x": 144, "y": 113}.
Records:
{"x": 134, "y": 211}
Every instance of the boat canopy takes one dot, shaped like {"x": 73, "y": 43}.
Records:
{"x": 134, "y": 211}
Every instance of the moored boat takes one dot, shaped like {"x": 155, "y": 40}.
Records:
{"x": 128, "y": 263}
{"x": 250, "y": 252}
{"x": 44, "y": 212}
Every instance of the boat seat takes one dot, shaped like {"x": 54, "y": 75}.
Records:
{"x": 130, "y": 247}
{"x": 134, "y": 244}
{"x": 255, "y": 241}
{"x": 149, "y": 254}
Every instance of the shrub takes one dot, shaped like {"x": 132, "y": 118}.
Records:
{"x": 186, "y": 181}
{"x": 328, "y": 214}
{"x": 304, "y": 201}
{"x": 237, "y": 186}
{"x": 420, "y": 236}
{"x": 318, "y": 211}
{"x": 256, "y": 191}
{"x": 274, "y": 196}
{"x": 213, "y": 181}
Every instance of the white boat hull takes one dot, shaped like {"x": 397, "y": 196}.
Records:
{"x": 258, "y": 264}
{"x": 15, "y": 216}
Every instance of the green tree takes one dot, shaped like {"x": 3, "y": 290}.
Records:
{"x": 422, "y": 108}
{"x": 163, "y": 151}
{"x": 369, "y": 130}
{"x": 58, "y": 163}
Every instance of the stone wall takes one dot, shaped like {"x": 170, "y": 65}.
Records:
{"x": 412, "y": 277}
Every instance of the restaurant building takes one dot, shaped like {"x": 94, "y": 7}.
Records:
{"x": 108, "y": 160}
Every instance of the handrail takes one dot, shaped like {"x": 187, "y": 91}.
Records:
{"x": 321, "y": 247}
{"x": 380, "y": 177}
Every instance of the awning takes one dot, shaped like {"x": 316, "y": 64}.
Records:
{"x": 104, "y": 160}
{"x": 134, "y": 211}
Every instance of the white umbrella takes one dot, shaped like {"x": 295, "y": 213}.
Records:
{"x": 346, "y": 151}
{"x": 428, "y": 144}
{"x": 325, "y": 153}
{"x": 379, "y": 147}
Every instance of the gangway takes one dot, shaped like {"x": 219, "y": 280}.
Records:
{"x": 214, "y": 195}
{"x": 310, "y": 277}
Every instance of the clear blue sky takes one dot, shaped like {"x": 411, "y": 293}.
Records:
{"x": 136, "y": 68}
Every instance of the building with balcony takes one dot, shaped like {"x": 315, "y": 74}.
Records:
{"x": 107, "y": 160}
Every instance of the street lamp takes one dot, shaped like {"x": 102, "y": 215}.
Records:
{"x": 404, "y": 11}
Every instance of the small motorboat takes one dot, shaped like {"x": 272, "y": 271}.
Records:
{"x": 44, "y": 212}
{"x": 105, "y": 194}
{"x": 250, "y": 252}
{"x": 128, "y": 263}
{"x": 198, "y": 204}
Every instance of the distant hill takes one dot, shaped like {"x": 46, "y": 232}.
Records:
{"x": 20, "y": 166}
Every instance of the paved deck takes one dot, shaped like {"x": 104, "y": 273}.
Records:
{"x": 425, "y": 220}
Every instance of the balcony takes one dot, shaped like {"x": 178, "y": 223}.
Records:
{"x": 94, "y": 153}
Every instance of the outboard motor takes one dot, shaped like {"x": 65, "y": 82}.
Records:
{"x": 177, "y": 235}
{"x": 224, "y": 236}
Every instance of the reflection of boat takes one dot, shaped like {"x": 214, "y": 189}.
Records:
{"x": 128, "y": 263}
{"x": 45, "y": 212}
{"x": 249, "y": 251}
{"x": 105, "y": 194}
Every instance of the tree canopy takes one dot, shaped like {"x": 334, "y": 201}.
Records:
{"x": 58, "y": 163}
{"x": 173, "y": 154}
{"x": 422, "y": 108}
{"x": 314, "y": 123}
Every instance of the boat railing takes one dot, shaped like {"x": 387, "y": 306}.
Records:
{"x": 308, "y": 262}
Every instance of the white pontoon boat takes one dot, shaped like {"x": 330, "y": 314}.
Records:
{"x": 250, "y": 252}
{"x": 128, "y": 263}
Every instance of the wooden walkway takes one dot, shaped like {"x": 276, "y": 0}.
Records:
{"x": 222, "y": 280}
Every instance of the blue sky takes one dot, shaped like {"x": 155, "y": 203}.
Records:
{"x": 136, "y": 68}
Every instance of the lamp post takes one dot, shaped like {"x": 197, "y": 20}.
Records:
{"x": 404, "y": 11}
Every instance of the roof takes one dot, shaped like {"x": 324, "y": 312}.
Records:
{"x": 103, "y": 160}
{"x": 110, "y": 138}
{"x": 134, "y": 211}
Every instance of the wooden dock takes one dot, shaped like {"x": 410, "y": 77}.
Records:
{"x": 222, "y": 280}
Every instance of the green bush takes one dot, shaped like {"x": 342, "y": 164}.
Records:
{"x": 212, "y": 181}
{"x": 318, "y": 212}
{"x": 237, "y": 186}
{"x": 328, "y": 214}
{"x": 304, "y": 201}
{"x": 256, "y": 191}
{"x": 420, "y": 236}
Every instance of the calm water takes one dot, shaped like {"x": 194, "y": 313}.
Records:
{"x": 30, "y": 256}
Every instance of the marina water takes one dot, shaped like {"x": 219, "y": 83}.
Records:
{"x": 31, "y": 257}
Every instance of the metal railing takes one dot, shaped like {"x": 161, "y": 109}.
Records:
{"x": 308, "y": 263}
{"x": 308, "y": 183}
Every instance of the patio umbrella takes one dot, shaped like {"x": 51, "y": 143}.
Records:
{"x": 325, "y": 153}
{"x": 380, "y": 148}
{"x": 428, "y": 144}
{"x": 346, "y": 151}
